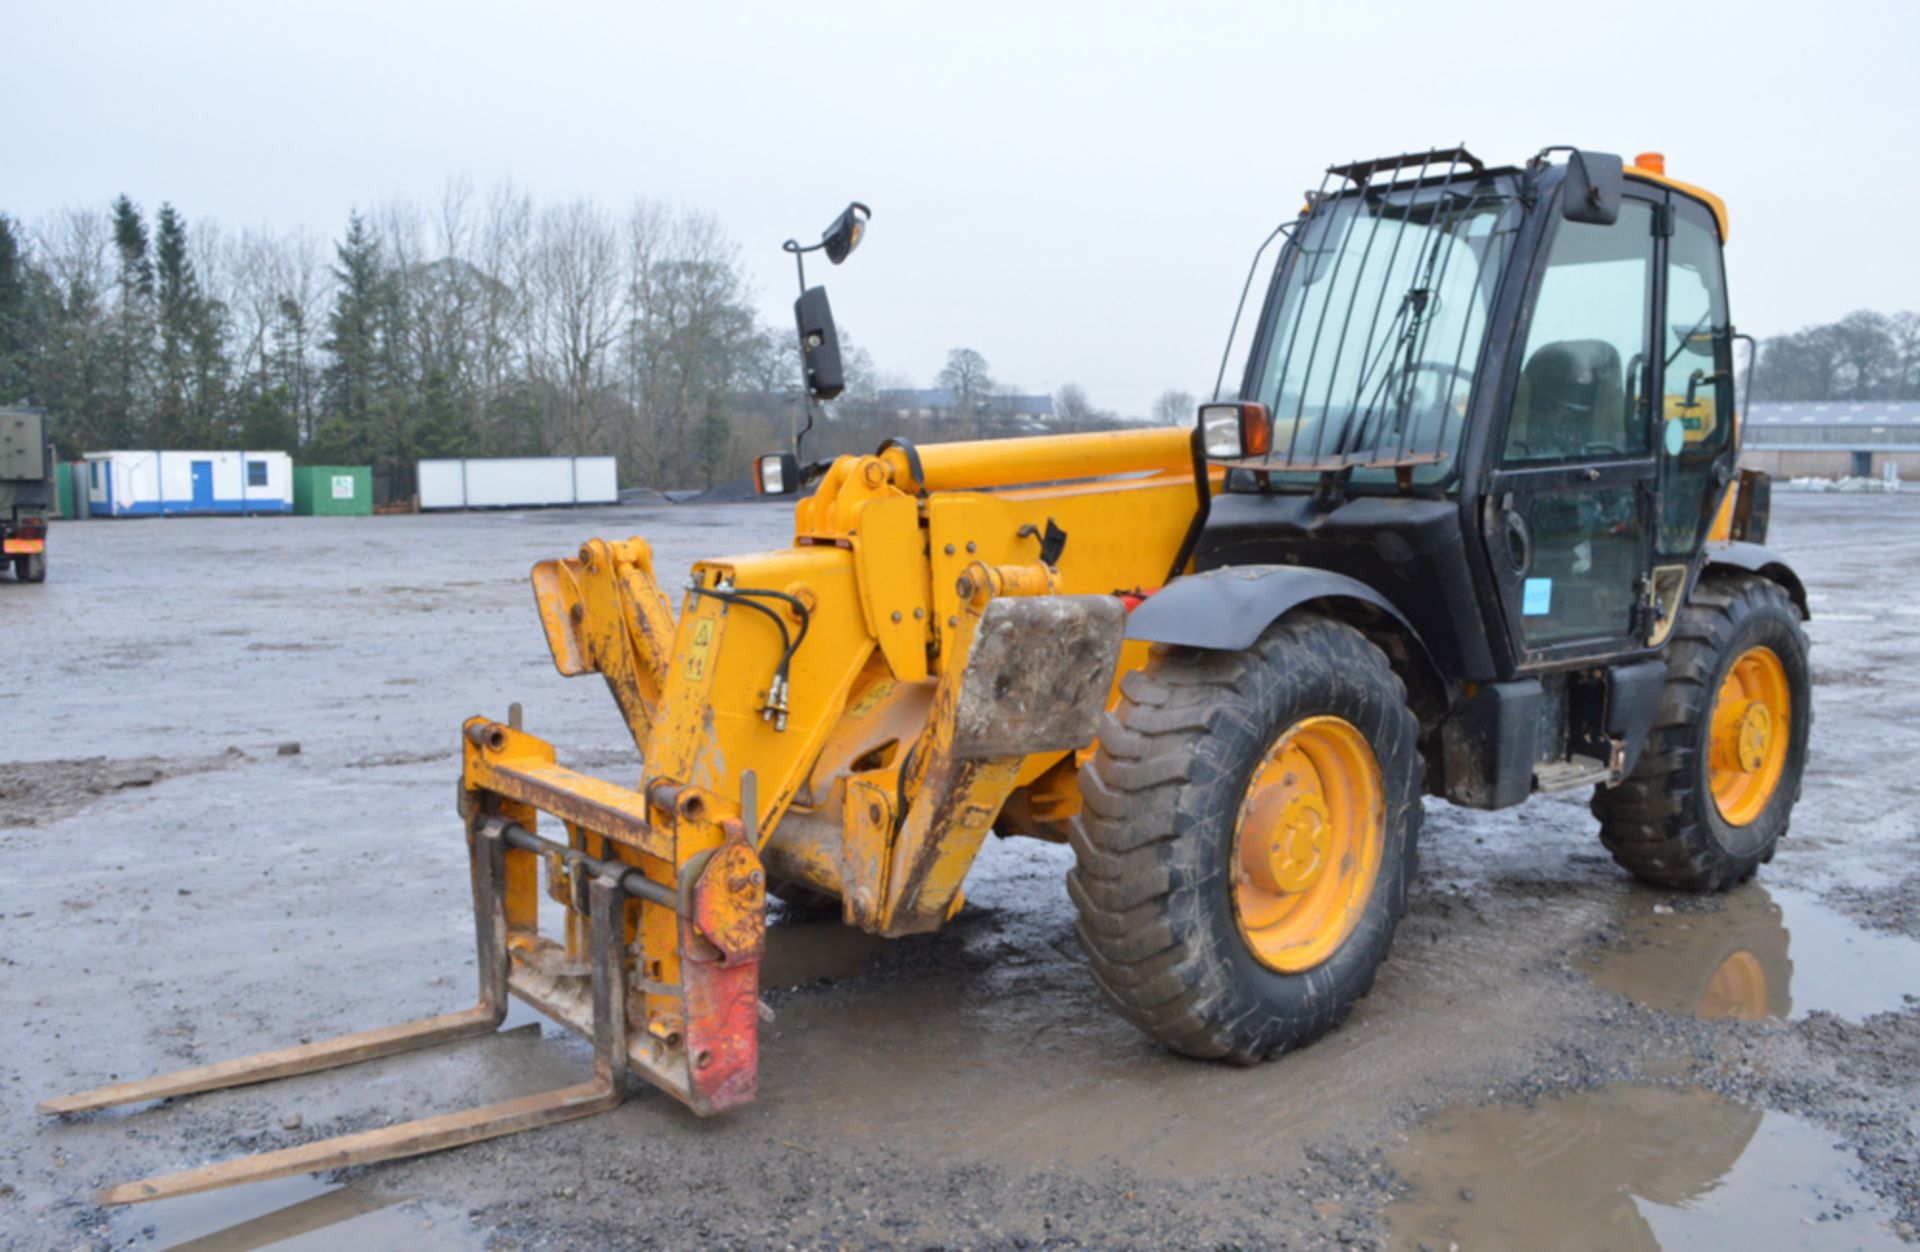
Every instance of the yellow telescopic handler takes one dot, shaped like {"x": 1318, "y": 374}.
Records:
{"x": 1468, "y": 526}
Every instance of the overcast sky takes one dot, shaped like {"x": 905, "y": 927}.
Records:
{"x": 1072, "y": 189}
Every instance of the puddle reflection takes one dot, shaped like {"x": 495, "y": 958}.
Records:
{"x": 1761, "y": 953}
{"x": 1630, "y": 1168}
{"x": 816, "y": 950}
{"x": 289, "y": 1213}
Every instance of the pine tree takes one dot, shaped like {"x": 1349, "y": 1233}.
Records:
{"x": 177, "y": 296}
{"x": 290, "y": 370}
{"x": 443, "y": 429}
{"x": 16, "y": 316}
{"x": 394, "y": 408}
{"x": 711, "y": 440}
{"x": 127, "y": 419}
{"x": 348, "y": 383}
{"x": 267, "y": 421}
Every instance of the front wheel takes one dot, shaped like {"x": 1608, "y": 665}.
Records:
{"x": 1714, "y": 788}
{"x": 1247, "y": 838}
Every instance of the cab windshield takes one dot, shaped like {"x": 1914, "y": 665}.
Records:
{"x": 1372, "y": 334}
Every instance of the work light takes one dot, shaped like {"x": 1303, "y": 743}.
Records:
{"x": 1236, "y": 430}
{"x": 776, "y": 474}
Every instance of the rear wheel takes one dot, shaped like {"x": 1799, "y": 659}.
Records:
{"x": 1714, "y": 788}
{"x": 30, "y": 567}
{"x": 1248, "y": 835}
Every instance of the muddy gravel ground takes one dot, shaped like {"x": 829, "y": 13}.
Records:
{"x": 1554, "y": 1055}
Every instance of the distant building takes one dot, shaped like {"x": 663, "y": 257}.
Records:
{"x": 1832, "y": 438}
{"x": 938, "y": 402}
{"x": 153, "y": 483}
{"x": 943, "y": 402}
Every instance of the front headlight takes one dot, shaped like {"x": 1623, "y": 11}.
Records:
{"x": 1232, "y": 432}
{"x": 776, "y": 474}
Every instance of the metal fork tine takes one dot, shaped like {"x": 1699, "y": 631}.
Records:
{"x": 490, "y": 934}
{"x": 428, "y": 1134}
{"x": 307, "y": 1058}
{"x": 607, "y": 927}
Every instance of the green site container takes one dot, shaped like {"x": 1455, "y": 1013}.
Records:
{"x": 332, "y": 490}
{"x": 63, "y": 488}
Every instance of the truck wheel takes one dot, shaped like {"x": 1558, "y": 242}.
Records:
{"x": 1716, "y": 783}
{"x": 31, "y": 567}
{"x": 1248, "y": 834}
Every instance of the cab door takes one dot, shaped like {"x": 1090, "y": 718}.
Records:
{"x": 1569, "y": 515}
{"x": 1696, "y": 441}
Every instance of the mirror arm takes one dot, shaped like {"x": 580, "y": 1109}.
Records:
{"x": 799, "y": 257}
{"x": 800, "y": 438}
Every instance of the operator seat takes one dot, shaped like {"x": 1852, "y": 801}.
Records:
{"x": 1572, "y": 397}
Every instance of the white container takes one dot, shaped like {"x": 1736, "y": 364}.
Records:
{"x": 518, "y": 482}
{"x": 443, "y": 484}
{"x": 149, "y": 484}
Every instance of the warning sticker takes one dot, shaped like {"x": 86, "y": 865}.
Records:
{"x": 1536, "y": 597}
{"x": 343, "y": 486}
{"x": 697, "y": 650}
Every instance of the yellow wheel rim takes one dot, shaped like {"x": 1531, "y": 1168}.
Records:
{"x": 1307, "y": 844}
{"x": 1752, "y": 721}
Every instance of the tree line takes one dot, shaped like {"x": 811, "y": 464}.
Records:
{"x": 487, "y": 325}
{"x": 1863, "y": 356}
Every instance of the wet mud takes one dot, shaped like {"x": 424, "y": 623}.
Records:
{"x": 34, "y": 791}
{"x": 966, "y": 1088}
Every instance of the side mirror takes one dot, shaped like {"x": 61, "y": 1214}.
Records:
{"x": 819, "y": 345}
{"x": 844, "y": 235}
{"x": 776, "y": 474}
{"x": 1592, "y": 191}
{"x": 1229, "y": 432}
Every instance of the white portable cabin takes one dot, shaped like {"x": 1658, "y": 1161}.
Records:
{"x": 518, "y": 482}
{"x": 148, "y": 484}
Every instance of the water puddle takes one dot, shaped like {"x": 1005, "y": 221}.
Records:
{"x": 1763, "y": 952}
{"x": 292, "y": 1213}
{"x": 803, "y": 952}
{"x": 1627, "y": 1168}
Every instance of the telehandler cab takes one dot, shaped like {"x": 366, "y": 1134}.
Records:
{"x": 1470, "y": 527}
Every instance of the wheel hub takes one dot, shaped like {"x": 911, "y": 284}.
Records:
{"x": 1292, "y": 857}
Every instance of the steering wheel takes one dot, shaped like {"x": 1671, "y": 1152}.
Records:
{"x": 1439, "y": 367}
{"x": 1419, "y": 416}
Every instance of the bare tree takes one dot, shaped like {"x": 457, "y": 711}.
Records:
{"x": 1173, "y": 408}
{"x": 968, "y": 376}
{"x": 577, "y": 305}
{"x": 1072, "y": 411}
{"x": 73, "y": 248}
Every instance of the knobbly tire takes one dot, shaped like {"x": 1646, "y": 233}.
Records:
{"x": 1663, "y": 824}
{"x": 1155, "y": 844}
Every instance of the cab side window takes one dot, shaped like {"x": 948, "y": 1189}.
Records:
{"x": 1697, "y": 378}
{"x": 1587, "y": 343}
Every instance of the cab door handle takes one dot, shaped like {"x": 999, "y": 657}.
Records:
{"x": 1517, "y": 539}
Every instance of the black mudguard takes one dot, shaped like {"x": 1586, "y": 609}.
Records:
{"x": 1754, "y": 559}
{"x": 1227, "y": 609}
